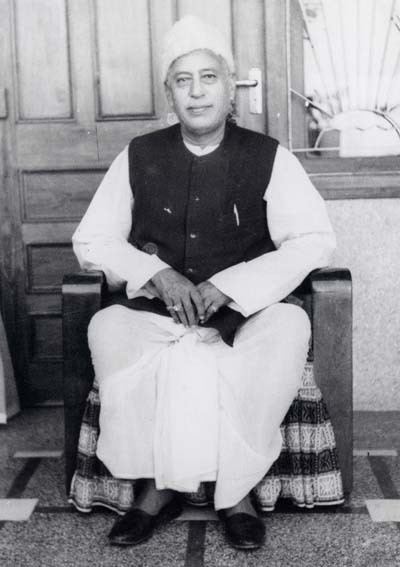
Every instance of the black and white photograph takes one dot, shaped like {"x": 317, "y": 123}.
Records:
{"x": 199, "y": 283}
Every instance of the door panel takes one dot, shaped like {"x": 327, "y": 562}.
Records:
{"x": 83, "y": 79}
{"x": 124, "y": 67}
{"x": 43, "y": 74}
{"x": 57, "y": 195}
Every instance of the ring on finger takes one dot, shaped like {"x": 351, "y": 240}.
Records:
{"x": 174, "y": 308}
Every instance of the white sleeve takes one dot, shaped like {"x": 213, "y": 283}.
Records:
{"x": 301, "y": 231}
{"x": 100, "y": 241}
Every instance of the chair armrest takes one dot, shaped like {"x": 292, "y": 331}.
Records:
{"x": 331, "y": 307}
{"x": 81, "y": 298}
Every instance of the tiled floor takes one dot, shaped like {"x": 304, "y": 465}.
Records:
{"x": 55, "y": 535}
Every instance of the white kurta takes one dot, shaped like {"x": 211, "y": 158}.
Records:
{"x": 177, "y": 404}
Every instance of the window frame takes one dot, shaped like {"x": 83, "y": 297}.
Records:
{"x": 334, "y": 177}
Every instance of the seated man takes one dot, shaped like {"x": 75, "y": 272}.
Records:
{"x": 209, "y": 226}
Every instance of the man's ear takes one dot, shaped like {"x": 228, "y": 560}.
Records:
{"x": 168, "y": 94}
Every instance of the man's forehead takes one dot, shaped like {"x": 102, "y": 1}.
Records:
{"x": 198, "y": 60}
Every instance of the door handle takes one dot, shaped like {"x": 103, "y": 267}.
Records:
{"x": 254, "y": 83}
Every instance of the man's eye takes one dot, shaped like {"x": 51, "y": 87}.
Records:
{"x": 209, "y": 77}
{"x": 181, "y": 81}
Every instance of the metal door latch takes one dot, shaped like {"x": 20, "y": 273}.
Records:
{"x": 254, "y": 82}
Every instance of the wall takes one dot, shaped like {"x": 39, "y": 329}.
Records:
{"x": 369, "y": 244}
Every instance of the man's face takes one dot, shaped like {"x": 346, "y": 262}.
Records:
{"x": 200, "y": 90}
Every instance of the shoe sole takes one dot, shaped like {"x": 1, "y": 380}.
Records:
{"x": 199, "y": 504}
{"x": 241, "y": 546}
{"x": 249, "y": 547}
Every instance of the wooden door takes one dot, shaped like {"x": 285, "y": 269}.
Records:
{"x": 81, "y": 78}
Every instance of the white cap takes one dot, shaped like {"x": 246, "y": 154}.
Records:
{"x": 191, "y": 33}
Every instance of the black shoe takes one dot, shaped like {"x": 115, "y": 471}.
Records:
{"x": 137, "y": 526}
{"x": 243, "y": 531}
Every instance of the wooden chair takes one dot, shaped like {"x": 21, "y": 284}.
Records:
{"x": 327, "y": 297}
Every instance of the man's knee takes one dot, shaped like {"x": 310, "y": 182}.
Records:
{"x": 287, "y": 319}
{"x": 295, "y": 320}
{"x": 105, "y": 322}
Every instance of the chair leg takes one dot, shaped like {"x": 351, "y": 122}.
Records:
{"x": 332, "y": 346}
{"x": 81, "y": 299}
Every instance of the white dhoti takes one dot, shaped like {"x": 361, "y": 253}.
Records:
{"x": 180, "y": 406}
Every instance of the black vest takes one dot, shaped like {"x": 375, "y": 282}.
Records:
{"x": 200, "y": 214}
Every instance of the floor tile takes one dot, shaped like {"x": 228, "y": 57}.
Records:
{"x": 365, "y": 483}
{"x": 373, "y": 544}
{"x": 73, "y": 540}
{"x": 35, "y": 428}
{"x": 191, "y": 513}
{"x": 375, "y": 453}
{"x": 306, "y": 540}
{"x": 393, "y": 466}
{"x": 301, "y": 539}
{"x": 48, "y": 483}
{"x": 9, "y": 469}
{"x": 16, "y": 509}
{"x": 384, "y": 510}
{"x": 37, "y": 454}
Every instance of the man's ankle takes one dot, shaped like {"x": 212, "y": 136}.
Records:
{"x": 245, "y": 506}
{"x": 151, "y": 500}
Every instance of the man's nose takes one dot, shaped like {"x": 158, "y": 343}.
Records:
{"x": 196, "y": 87}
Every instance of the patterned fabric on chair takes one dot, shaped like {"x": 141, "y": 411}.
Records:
{"x": 307, "y": 471}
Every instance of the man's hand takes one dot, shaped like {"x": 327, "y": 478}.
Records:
{"x": 151, "y": 288}
{"x": 180, "y": 295}
{"x": 212, "y": 298}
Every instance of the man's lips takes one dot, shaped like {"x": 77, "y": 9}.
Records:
{"x": 198, "y": 109}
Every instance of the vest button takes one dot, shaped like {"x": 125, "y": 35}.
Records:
{"x": 193, "y": 235}
{"x": 197, "y": 198}
{"x": 150, "y": 248}
{"x": 190, "y": 270}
